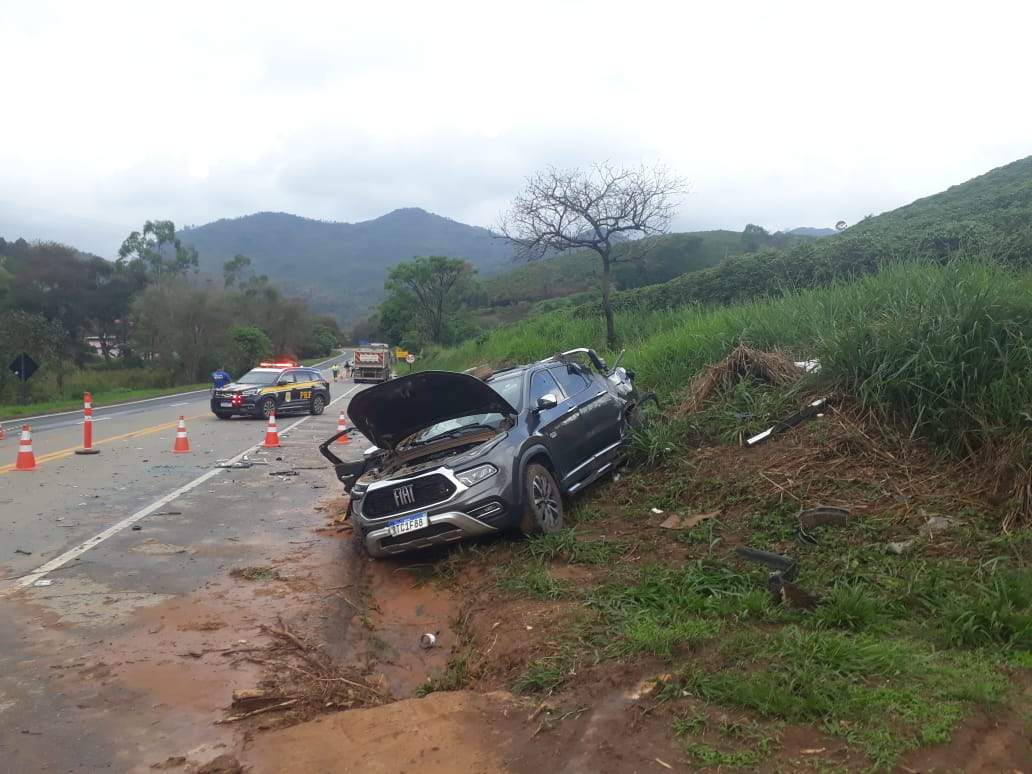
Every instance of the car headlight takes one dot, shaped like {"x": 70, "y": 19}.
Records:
{"x": 477, "y": 474}
{"x": 251, "y": 392}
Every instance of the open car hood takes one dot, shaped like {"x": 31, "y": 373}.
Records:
{"x": 390, "y": 412}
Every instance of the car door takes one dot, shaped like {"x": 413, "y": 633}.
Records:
{"x": 286, "y": 394}
{"x": 556, "y": 426}
{"x": 600, "y": 409}
{"x": 306, "y": 386}
{"x": 592, "y": 417}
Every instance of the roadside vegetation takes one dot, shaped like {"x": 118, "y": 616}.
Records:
{"x": 887, "y": 655}
{"x": 153, "y": 322}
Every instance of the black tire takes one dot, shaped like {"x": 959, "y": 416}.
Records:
{"x": 267, "y": 408}
{"x": 222, "y": 415}
{"x": 318, "y": 404}
{"x": 542, "y": 502}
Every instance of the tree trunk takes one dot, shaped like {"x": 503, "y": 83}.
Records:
{"x": 607, "y": 303}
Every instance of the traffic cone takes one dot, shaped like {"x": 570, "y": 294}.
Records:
{"x": 342, "y": 425}
{"x": 182, "y": 444}
{"x": 2, "y": 436}
{"x": 271, "y": 433}
{"x": 26, "y": 459}
{"x": 87, "y": 426}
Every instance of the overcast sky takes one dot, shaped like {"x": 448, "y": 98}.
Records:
{"x": 784, "y": 114}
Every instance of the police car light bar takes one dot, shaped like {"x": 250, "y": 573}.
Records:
{"x": 277, "y": 365}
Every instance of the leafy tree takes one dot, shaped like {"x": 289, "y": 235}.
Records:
{"x": 148, "y": 251}
{"x": 433, "y": 288}
{"x": 595, "y": 209}
{"x": 755, "y": 237}
{"x": 42, "y": 339}
{"x": 248, "y": 346}
{"x": 324, "y": 339}
{"x": 235, "y": 270}
{"x": 181, "y": 326}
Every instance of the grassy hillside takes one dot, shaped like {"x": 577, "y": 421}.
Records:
{"x": 340, "y": 267}
{"x": 945, "y": 349}
{"x": 564, "y": 275}
{"x": 893, "y": 654}
{"x": 989, "y": 217}
{"x": 670, "y": 256}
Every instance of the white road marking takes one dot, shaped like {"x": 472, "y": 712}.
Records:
{"x": 114, "y": 529}
{"x": 184, "y": 403}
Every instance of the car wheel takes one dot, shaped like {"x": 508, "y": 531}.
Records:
{"x": 222, "y": 415}
{"x": 543, "y": 504}
{"x": 318, "y": 404}
{"x": 268, "y": 407}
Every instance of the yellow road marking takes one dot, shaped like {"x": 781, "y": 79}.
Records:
{"x": 58, "y": 455}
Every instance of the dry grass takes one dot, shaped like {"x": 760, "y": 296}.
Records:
{"x": 773, "y": 367}
{"x": 302, "y": 681}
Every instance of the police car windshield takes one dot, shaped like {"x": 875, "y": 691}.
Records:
{"x": 264, "y": 378}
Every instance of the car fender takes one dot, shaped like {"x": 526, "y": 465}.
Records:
{"x": 520, "y": 470}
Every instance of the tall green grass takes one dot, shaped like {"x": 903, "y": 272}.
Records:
{"x": 946, "y": 349}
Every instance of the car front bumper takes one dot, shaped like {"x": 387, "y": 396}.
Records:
{"x": 444, "y": 527}
{"x": 482, "y": 509}
{"x": 249, "y": 405}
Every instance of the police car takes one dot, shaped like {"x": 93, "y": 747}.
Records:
{"x": 282, "y": 388}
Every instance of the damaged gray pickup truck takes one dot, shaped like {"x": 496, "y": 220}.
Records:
{"x": 458, "y": 456}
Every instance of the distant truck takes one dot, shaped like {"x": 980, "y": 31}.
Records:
{"x": 373, "y": 363}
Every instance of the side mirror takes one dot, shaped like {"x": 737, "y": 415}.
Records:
{"x": 547, "y": 401}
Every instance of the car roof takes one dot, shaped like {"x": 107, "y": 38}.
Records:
{"x": 281, "y": 369}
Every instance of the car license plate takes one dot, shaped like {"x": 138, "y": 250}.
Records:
{"x": 408, "y": 524}
{"x": 226, "y": 404}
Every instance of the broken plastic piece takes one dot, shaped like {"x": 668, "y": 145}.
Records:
{"x": 824, "y": 516}
{"x": 810, "y": 411}
{"x": 786, "y": 566}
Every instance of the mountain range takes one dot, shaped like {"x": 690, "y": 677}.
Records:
{"x": 340, "y": 268}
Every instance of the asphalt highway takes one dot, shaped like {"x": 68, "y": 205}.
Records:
{"x": 71, "y": 498}
{"x": 108, "y": 562}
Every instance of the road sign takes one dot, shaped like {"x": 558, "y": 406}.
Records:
{"x": 401, "y": 354}
{"x": 23, "y": 367}
{"x": 410, "y": 358}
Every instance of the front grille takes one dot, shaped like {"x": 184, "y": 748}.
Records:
{"x": 420, "y": 534}
{"x": 426, "y": 490}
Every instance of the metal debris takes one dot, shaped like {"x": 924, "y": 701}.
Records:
{"x": 809, "y": 412}
{"x": 428, "y": 641}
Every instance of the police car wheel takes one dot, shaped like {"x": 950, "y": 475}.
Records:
{"x": 318, "y": 404}
{"x": 268, "y": 407}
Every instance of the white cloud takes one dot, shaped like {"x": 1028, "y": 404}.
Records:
{"x": 782, "y": 114}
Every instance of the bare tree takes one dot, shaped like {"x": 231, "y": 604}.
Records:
{"x": 593, "y": 209}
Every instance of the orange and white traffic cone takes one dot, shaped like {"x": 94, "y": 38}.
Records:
{"x": 271, "y": 433}
{"x": 87, "y": 426}
{"x": 26, "y": 459}
{"x": 2, "y": 436}
{"x": 342, "y": 425}
{"x": 182, "y": 444}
